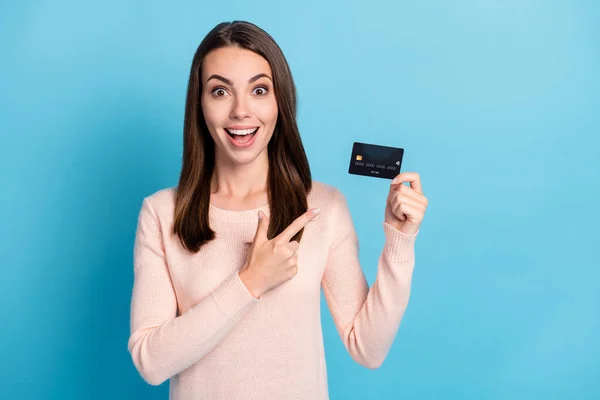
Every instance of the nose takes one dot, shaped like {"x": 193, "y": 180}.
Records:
{"x": 240, "y": 108}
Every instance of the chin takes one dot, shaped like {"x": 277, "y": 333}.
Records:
{"x": 244, "y": 158}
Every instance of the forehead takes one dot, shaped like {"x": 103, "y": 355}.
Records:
{"x": 235, "y": 64}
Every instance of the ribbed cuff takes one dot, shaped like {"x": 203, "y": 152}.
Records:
{"x": 233, "y": 297}
{"x": 399, "y": 246}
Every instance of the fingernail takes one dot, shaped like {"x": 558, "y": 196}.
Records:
{"x": 315, "y": 211}
{"x": 259, "y": 215}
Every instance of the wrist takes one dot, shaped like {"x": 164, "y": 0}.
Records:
{"x": 251, "y": 282}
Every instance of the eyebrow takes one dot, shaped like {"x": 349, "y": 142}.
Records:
{"x": 227, "y": 81}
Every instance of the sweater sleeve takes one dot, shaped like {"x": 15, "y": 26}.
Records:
{"x": 366, "y": 319}
{"x": 161, "y": 343}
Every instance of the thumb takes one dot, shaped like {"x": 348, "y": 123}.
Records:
{"x": 263, "y": 226}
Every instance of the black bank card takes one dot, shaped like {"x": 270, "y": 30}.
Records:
{"x": 375, "y": 160}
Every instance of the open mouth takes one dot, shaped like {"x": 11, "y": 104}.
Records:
{"x": 241, "y": 136}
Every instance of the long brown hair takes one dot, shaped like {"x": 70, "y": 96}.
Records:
{"x": 289, "y": 179}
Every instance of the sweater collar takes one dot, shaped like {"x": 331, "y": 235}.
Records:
{"x": 220, "y": 214}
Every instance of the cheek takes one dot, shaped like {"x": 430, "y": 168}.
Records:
{"x": 267, "y": 112}
{"x": 213, "y": 113}
{"x": 211, "y": 119}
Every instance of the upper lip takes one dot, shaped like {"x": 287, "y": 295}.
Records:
{"x": 240, "y": 127}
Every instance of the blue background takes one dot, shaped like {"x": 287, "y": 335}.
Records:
{"x": 496, "y": 103}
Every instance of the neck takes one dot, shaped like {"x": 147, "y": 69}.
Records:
{"x": 234, "y": 181}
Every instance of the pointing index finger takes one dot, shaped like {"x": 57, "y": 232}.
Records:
{"x": 299, "y": 223}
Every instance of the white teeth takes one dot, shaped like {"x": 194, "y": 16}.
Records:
{"x": 242, "y": 132}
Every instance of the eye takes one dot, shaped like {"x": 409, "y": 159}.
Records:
{"x": 263, "y": 90}
{"x": 219, "y": 92}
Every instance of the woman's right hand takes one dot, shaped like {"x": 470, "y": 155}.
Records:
{"x": 272, "y": 262}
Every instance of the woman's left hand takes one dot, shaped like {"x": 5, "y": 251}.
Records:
{"x": 406, "y": 205}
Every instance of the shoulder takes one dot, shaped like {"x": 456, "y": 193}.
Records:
{"x": 161, "y": 203}
{"x": 335, "y": 215}
{"x": 322, "y": 192}
{"x": 325, "y": 196}
{"x": 162, "y": 196}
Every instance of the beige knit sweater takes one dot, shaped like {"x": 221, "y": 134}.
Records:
{"x": 193, "y": 320}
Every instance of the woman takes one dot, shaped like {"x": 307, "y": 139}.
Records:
{"x": 227, "y": 267}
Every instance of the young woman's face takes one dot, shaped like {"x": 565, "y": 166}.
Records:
{"x": 238, "y": 102}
